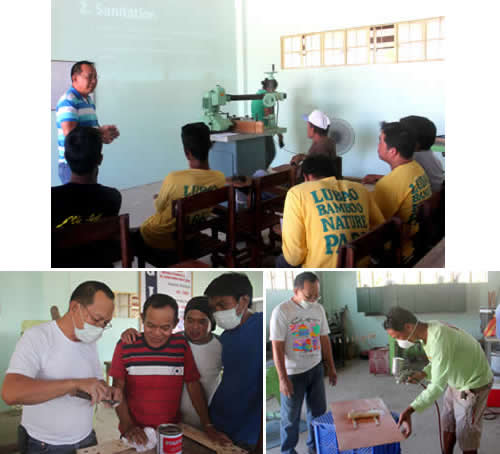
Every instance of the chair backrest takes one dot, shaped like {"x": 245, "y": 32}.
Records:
{"x": 373, "y": 244}
{"x": 109, "y": 228}
{"x": 276, "y": 185}
{"x": 338, "y": 167}
{"x": 216, "y": 220}
{"x": 430, "y": 219}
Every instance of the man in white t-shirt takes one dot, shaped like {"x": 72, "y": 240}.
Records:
{"x": 51, "y": 363}
{"x": 299, "y": 334}
{"x": 207, "y": 352}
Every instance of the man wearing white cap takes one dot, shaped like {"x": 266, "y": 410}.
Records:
{"x": 317, "y": 130}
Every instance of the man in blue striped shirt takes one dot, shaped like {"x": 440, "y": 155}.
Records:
{"x": 76, "y": 108}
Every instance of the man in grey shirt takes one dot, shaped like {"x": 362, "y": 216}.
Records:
{"x": 425, "y": 131}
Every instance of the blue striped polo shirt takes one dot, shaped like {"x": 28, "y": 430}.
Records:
{"x": 72, "y": 106}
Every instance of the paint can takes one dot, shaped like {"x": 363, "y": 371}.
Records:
{"x": 397, "y": 366}
{"x": 169, "y": 439}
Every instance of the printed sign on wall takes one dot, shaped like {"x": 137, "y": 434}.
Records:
{"x": 177, "y": 284}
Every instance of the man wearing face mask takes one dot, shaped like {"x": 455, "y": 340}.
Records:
{"x": 52, "y": 362}
{"x": 458, "y": 365}
{"x": 236, "y": 406}
{"x": 152, "y": 372}
{"x": 207, "y": 352}
{"x": 299, "y": 334}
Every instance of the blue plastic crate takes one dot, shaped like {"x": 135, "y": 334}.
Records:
{"x": 326, "y": 439}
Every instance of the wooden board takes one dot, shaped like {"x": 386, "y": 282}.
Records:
{"x": 202, "y": 438}
{"x": 367, "y": 433}
{"x": 108, "y": 447}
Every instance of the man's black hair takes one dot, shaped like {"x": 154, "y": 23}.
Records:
{"x": 397, "y": 317}
{"x": 320, "y": 131}
{"x": 85, "y": 292}
{"x": 77, "y": 67}
{"x": 196, "y": 140}
{"x": 269, "y": 83}
{"x": 301, "y": 278}
{"x": 200, "y": 303}
{"x": 159, "y": 300}
{"x": 83, "y": 149}
{"x": 230, "y": 284}
{"x": 319, "y": 165}
{"x": 423, "y": 128}
{"x": 400, "y": 137}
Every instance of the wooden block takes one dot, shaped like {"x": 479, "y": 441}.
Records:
{"x": 367, "y": 433}
{"x": 202, "y": 438}
{"x": 248, "y": 126}
{"x": 108, "y": 447}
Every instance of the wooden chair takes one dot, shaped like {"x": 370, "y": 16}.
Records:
{"x": 373, "y": 244}
{"x": 430, "y": 219}
{"x": 83, "y": 237}
{"x": 191, "y": 239}
{"x": 266, "y": 210}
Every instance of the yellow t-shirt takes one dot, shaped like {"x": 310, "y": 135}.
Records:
{"x": 399, "y": 193}
{"x": 320, "y": 216}
{"x": 157, "y": 230}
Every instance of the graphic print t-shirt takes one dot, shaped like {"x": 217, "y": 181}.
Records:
{"x": 300, "y": 329}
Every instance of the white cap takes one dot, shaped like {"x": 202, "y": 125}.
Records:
{"x": 317, "y": 118}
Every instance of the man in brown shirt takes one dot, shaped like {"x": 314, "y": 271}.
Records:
{"x": 317, "y": 130}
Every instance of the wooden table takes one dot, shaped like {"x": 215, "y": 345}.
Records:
{"x": 434, "y": 258}
{"x": 190, "y": 264}
{"x": 369, "y": 187}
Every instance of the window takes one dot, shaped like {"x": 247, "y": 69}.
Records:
{"x": 282, "y": 280}
{"x": 127, "y": 305}
{"x": 419, "y": 40}
{"x": 384, "y": 278}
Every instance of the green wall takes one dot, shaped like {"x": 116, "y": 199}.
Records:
{"x": 338, "y": 289}
{"x": 153, "y": 71}
{"x": 29, "y": 296}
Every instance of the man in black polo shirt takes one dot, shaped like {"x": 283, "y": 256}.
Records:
{"x": 83, "y": 199}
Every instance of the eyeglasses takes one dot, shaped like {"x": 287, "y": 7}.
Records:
{"x": 97, "y": 322}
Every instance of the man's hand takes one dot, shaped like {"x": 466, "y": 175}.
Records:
{"x": 280, "y": 140}
{"x": 332, "y": 376}
{"x": 116, "y": 395}
{"x": 216, "y": 436}
{"x": 109, "y": 133}
{"x": 416, "y": 377}
{"x": 136, "y": 435}
{"x": 129, "y": 336}
{"x": 98, "y": 389}
{"x": 371, "y": 178}
{"x": 286, "y": 387}
{"x": 297, "y": 159}
{"x": 405, "y": 421}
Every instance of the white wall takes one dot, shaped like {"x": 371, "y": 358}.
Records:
{"x": 362, "y": 95}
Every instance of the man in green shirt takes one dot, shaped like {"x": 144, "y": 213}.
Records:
{"x": 458, "y": 365}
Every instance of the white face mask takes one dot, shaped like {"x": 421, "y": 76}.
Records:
{"x": 227, "y": 319}
{"x": 308, "y": 304}
{"x": 89, "y": 333}
{"x": 406, "y": 343}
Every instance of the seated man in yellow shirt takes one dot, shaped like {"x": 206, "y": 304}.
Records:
{"x": 322, "y": 214}
{"x": 406, "y": 186}
{"x": 158, "y": 230}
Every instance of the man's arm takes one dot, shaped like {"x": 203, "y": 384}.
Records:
{"x": 326, "y": 352}
{"x": 68, "y": 126}
{"x": 199, "y": 401}
{"x": 286, "y": 387}
{"x": 19, "y": 389}
{"x": 131, "y": 431}
{"x": 293, "y": 231}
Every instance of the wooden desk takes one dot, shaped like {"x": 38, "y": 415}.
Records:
{"x": 369, "y": 187}
{"x": 434, "y": 258}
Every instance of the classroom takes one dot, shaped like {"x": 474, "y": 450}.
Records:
{"x": 217, "y": 120}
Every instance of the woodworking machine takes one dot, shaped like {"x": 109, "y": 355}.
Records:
{"x": 219, "y": 121}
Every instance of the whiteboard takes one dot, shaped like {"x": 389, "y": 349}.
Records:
{"x": 61, "y": 80}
